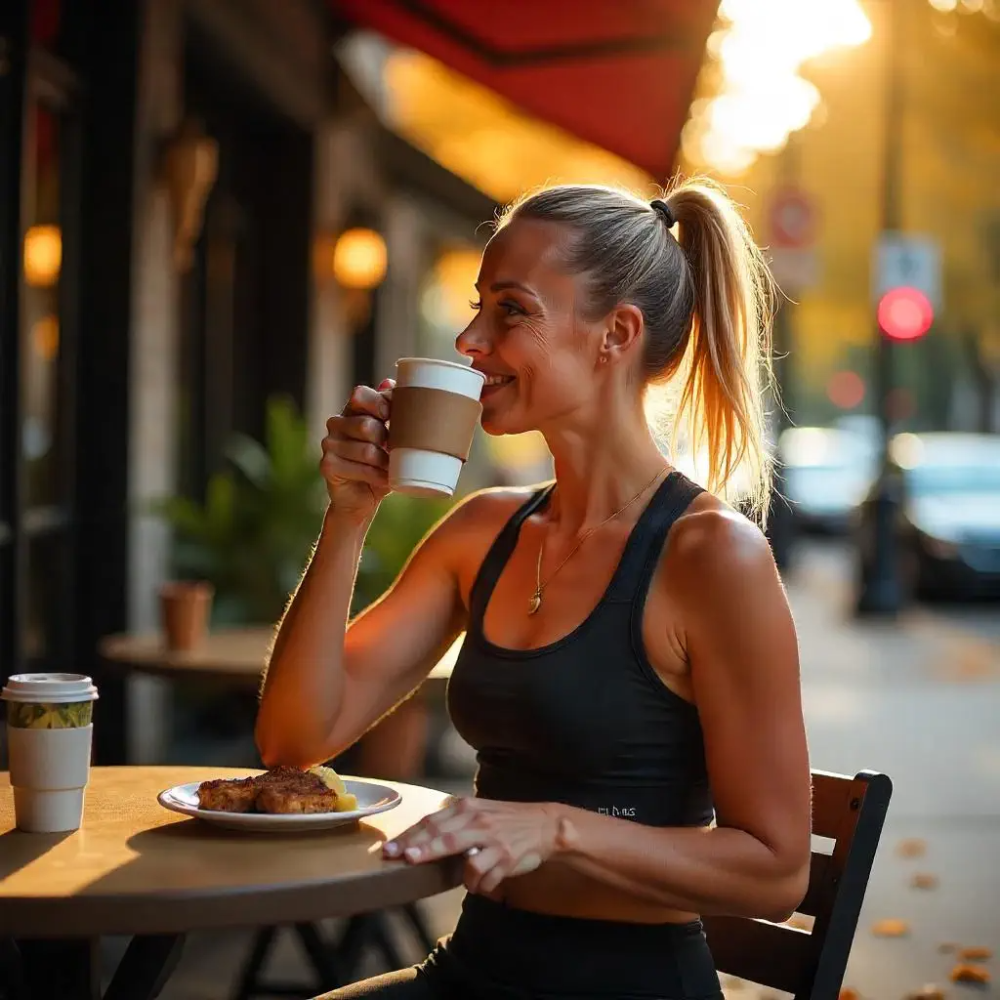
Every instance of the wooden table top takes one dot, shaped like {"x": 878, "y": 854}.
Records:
{"x": 136, "y": 868}
{"x": 226, "y": 654}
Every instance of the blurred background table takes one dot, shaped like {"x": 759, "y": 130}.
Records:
{"x": 226, "y": 654}
{"x": 396, "y": 748}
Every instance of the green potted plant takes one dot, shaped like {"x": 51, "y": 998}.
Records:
{"x": 252, "y": 535}
{"x": 253, "y": 532}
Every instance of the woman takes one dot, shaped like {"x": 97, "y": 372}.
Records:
{"x": 630, "y": 670}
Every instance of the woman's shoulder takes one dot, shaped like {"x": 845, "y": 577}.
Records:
{"x": 712, "y": 541}
{"x": 482, "y": 515}
{"x": 491, "y": 508}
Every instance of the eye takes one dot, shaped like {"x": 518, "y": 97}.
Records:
{"x": 511, "y": 308}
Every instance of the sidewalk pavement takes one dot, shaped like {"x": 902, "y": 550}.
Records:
{"x": 918, "y": 699}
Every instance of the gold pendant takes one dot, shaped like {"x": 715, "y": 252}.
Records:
{"x": 535, "y": 604}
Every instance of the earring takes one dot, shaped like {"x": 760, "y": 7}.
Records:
{"x": 603, "y": 359}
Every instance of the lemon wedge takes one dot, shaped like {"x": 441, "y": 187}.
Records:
{"x": 346, "y": 802}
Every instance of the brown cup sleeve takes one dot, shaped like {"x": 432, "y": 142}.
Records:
{"x": 433, "y": 420}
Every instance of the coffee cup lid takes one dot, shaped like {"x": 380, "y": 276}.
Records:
{"x": 48, "y": 688}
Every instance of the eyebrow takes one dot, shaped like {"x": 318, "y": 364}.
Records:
{"x": 503, "y": 286}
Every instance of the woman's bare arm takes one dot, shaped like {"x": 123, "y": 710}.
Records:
{"x": 327, "y": 683}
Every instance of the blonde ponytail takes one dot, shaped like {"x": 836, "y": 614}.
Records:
{"x": 723, "y": 403}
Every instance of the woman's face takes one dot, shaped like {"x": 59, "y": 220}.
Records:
{"x": 528, "y": 335}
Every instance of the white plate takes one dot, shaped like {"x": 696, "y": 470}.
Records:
{"x": 372, "y": 798}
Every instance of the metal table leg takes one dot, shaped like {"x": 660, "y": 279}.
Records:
{"x": 70, "y": 969}
{"x": 145, "y": 967}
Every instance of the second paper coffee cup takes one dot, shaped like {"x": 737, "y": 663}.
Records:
{"x": 49, "y": 737}
{"x": 435, "y": 411}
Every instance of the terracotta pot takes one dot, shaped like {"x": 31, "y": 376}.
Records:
{"x": 184, "y": 610}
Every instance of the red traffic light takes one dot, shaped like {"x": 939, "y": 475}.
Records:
{"x": 905, "y": 314}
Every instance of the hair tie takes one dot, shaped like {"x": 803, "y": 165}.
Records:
{"x": 661, "y": 207}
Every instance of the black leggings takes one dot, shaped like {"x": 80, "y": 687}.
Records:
{"x": 498, "y": 953}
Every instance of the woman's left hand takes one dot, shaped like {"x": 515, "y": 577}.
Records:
{"x": 508, "y": 838}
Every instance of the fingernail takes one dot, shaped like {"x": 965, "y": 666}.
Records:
{"x": 412, "y": 853}
{"x": 392, "y": 848}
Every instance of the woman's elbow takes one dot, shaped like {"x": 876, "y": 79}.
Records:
{"x": 784, "y": 895}
{"x": 279, "y": 744}
{"x": 269, "y": 746}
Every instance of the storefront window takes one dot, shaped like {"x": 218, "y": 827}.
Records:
{"x": 40, "y": 343}
{"x": 46, "y": 406}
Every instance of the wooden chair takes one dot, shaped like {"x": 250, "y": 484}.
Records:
{"x": 850, "y": 812}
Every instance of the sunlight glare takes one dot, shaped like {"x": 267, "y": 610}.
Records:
{"x": 759, "y": 49}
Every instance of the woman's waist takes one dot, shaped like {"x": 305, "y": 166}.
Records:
{"x": 558, "y": 891}
{"x": 654, "y": 801}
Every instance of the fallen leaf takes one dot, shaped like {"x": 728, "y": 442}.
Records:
{"x": 911, "y": 847}
{"x": 970, "y": 974}
{"x": 927, "y": 992}
{"x": 977, "y": 954}
{"x": 847, "y": 993}
{"x": 924, "y": 880}
{"x": 891, "y": 928}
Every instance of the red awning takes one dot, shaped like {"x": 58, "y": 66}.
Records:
{"x": 618, "y": 73}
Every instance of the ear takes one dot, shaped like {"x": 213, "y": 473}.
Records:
{"x": 623, "y": 328}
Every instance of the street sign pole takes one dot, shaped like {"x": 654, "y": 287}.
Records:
{"x": 792, "y": 225}
{"x": 880, "y": 590}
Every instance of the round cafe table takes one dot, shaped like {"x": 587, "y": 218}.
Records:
{"x": 136, "y": 869}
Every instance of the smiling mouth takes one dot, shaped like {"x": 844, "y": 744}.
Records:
{"x": 493, "y": 381}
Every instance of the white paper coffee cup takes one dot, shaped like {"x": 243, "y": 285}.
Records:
{"x": 434, "y": 469}
{"x": 49, "y": 740}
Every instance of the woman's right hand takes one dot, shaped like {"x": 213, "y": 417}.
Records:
{"x": 355, "y": 461}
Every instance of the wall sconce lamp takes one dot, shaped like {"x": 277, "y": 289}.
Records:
{"x": 360, "y": 259}
{"x": 42, "y": 256}
{"x": 189, "y": 164}
{"x": 357, "y": 260}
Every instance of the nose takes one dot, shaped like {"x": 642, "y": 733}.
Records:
{"x": 474, "y": 341}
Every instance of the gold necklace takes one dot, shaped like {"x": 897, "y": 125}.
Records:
{"x": 536, "y": 599}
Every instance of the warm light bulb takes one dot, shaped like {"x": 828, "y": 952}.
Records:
{"x": 42, "y": 256}
{"x": 360, "y": 259}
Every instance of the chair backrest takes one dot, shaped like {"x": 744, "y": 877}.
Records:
{"x": 811, "y": 964}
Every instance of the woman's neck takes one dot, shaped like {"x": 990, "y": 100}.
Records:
{"x": 600, "y": 466}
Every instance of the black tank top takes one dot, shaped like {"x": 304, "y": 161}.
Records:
{"x": 585, "y": 720}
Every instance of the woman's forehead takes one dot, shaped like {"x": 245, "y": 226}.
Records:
{"x": 526, "y": 250}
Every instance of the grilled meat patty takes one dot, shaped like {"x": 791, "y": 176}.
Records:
{"x": 289, "y": 790}
{"x": 233, "y": 795}
{"x": 280, "y": 790}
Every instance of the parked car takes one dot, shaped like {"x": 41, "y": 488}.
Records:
{"x": 827, "y": 472}
{"x": 949, "y": 517}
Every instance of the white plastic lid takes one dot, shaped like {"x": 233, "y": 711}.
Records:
{"x": 49, "y": 688}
